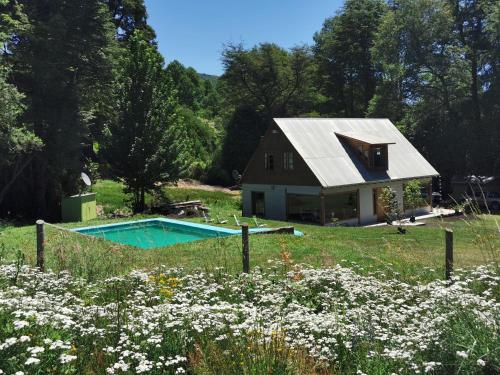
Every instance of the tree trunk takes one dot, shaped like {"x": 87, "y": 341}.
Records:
{"x": 142, "y": 200}
{"x": 15, "y": 175}
{"x": 474, "y": 87}
{"x": 41, "y": 188}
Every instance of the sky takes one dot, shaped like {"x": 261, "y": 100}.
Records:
{"x": 194, "y": 31}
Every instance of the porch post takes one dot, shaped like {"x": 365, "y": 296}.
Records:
{"x": 322, "y": 218}
{"x": 429, "y": 193}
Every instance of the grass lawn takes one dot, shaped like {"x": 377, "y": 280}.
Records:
{"x": 418, "y": 255}
{"x": 284, "y": 319}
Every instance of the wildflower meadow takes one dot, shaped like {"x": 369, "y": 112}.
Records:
{"x": 282, "y": 319}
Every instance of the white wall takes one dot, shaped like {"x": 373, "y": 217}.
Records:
{"x": 275, "y": 199}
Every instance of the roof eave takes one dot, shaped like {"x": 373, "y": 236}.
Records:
{"x": 378, "y": 181}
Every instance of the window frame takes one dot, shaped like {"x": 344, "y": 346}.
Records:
{"x": 288, "y": 161}
{"x": 268, "y": 161}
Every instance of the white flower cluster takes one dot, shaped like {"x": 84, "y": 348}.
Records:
{"x": 148, "y": 322}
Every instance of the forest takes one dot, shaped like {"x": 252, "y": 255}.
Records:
{"x": 83, "y": 87}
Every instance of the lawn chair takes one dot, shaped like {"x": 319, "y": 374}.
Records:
{"x": 207, "y": 218}
{"x": 220, "y": 221}
{"x": 257, "y": 224}
{"x": 238, "y": 223}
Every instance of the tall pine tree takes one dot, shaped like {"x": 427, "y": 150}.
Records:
{"x": 62, "y": 63}
{"x": 140, "y": 145}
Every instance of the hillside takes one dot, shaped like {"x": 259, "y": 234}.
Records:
{"x": 208, "y": 77}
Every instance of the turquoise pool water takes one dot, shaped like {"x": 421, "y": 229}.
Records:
{"x": 148, "y": 234}
{"x": 160, "y": 232}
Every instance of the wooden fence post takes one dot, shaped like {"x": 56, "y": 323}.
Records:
{"x": 449, "y": 253}
{"x": 245, "y": 247}
{"x": 40, "y": 243}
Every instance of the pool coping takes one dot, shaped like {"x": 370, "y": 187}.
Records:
{"x": 213, "y": 228}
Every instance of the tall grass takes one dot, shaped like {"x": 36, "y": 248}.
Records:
{"x": 288, "y": 319}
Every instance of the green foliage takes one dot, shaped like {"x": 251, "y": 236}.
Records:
{"x": 417, "y": 256}
{"x": 346, "y": 74}
{"x": 128, "y": 16}
{"x": 430, "y": 66}
{"x": 412, "y": 195}
{"x": 188, "y": 85}
{"x": 435, "y": 59}
{"x": 266, "y": 77}
{"x": 195, "y": 141}
{"x": 61, "y": 62}
{"x": 260, "y": 83}
{"x": 210, "y": 78}
{"x": 139, "y": 145}
{"x": 243, "y": 131}
{"x": 390, "y": 203}
{"x": 329, "y": 321}
{"x": 15, "y": 139}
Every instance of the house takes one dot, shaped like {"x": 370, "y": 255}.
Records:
{"x": 325, "y": 170}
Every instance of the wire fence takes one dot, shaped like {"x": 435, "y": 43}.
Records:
{"x": 418, "y": 254}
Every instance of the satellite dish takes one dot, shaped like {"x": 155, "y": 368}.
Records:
{"x": 86, "y": 179}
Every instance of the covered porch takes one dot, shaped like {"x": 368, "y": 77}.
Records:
{"x": 326, "y": 208}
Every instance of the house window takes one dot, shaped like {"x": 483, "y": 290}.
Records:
{"x": 258, "y": 203}
{"x": 378, "y": 157}
{"x": 268, "y": 161}
{"x": 288, "y": 161}
{"x": 303, "y": 208}
{"x": 341, "y": 206}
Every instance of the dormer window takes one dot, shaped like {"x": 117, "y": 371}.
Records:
{"x": 371, "y": 149}
{"x": 378, "y": 158}
{"x": 288, "y": 161}
{"x": 268, "y": 161}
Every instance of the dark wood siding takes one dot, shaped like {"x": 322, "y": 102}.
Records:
{"x": 276, "y": 143}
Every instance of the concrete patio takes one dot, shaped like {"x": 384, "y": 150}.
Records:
{"x": 436, "y": 212}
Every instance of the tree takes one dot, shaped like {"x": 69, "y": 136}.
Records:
{"x": 412, "y": 195}
{"x": 212, "y": 101}
{"x": 128, "y": 16}
{"x": 389, "y": 199}
{"x": 258, "y": 84}
{"x": 476, "y": 28}
{"x": 346, "y": 74}
{"x": 243, "y": 131}
{"x": 17, "y": 142}
{"x": 62, "y": 63}
{"x": 195, "y": 141}
{"x": 423, "y": 80}
{"x": 426, "y": 51}
{"x": 140, "y": 143}
{"x": 188, "y": 85}
{"x": 267, "y": 77}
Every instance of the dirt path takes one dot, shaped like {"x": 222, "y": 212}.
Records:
{"x": 193, "y": 184}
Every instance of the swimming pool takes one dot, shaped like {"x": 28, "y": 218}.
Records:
{"x": 159, "y": 232}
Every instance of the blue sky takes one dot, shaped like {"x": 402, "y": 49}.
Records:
{"x": 194, "y": 31}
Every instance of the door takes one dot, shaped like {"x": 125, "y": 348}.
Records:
{"x": 258, "y": 203}
{"x": 378, "y": 207}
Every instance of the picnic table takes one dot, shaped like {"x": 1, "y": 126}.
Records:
{"x": 188, "y": 208}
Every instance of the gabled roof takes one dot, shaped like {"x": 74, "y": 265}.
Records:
{"x": 335, "y": 164}
{"x": 364, "y": 137}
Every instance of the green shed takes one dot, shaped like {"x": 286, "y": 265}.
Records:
{"x": 80, "y": 207}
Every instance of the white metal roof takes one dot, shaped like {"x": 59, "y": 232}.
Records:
{"x": 336, "y": 165}
{"x": 371, "y": 139}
